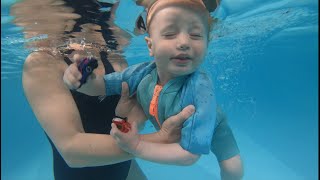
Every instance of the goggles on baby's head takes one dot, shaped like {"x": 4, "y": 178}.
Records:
{"x": 160, "y": 4}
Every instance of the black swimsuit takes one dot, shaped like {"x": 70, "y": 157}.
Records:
{"x": 96, "y": 113}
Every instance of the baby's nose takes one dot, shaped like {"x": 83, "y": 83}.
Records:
{"x": 183, "y": 42}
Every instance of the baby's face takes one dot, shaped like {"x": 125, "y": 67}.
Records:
{"x": 178, "y": 40}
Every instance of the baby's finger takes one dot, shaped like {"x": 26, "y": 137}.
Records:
{"x": 112, "y": 132}
{"x": 77, "y": 58}
{"x": 68, "y": 79}
{"x": 115, "y": 131}
{"x": 72, "y": 82}
{"x": 75, "y": 71}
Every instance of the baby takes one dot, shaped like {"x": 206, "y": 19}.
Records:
{"x": 178, "y": 41}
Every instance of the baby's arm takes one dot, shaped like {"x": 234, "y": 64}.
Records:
{"x": 133, "y": 143}
{"x": 197, "y": 130}
{"x": 110, "y": 84}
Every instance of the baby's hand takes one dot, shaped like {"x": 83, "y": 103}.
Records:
{"x": 126, "y": 141}
{"x": 72, "y": 76}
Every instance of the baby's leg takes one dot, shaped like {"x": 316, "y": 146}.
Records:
{"x": 231, "y": 169}
{"x": 225, "y": 148}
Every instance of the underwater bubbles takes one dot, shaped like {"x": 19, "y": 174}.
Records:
{"x": 242, "y": 35}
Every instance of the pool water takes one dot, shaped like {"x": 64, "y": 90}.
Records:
{"x": 264, "y": 62}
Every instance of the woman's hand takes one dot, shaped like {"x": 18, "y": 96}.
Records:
{"x": 170, "y": 131}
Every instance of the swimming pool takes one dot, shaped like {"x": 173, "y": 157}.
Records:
{"x": 263, "y": 60}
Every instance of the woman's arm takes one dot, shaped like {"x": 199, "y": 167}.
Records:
{"x": 57, "y": 113}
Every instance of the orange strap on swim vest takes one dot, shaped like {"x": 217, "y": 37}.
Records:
{"x": 153, "y": 109}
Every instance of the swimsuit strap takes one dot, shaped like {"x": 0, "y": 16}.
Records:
{"x": 107, "y": 66}
{"x": 153, "y": 109}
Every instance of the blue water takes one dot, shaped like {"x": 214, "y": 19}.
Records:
{"x": 264, "y": 62}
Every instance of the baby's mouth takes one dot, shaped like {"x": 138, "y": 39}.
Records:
{"x": 181, "y": 57}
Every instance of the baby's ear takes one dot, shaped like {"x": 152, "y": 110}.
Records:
{"x": 149, "y": 44}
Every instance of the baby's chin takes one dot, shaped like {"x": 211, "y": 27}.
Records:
{"x": 183, "y": 71}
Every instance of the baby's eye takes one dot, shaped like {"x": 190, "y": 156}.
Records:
{"x": 169, "y": 35}
{"x": 196, "y": 35}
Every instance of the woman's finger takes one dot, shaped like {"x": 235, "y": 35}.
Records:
{"x": 124, "y": 91}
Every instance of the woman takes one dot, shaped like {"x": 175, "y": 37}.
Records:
{"x": 80, "y": 139}
{"x": 76, "y": 125}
